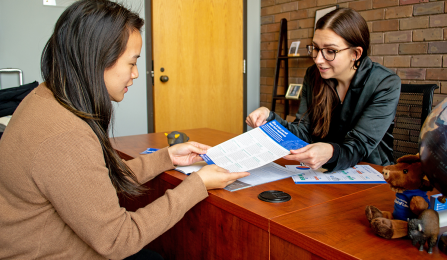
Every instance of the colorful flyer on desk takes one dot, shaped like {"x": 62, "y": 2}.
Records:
{"x": 359, "y": 174}
{"x": 150, "y": 150}
{"x": 254, "y": 148}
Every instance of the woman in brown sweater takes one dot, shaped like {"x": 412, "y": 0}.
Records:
{"x": 59, "y": 175}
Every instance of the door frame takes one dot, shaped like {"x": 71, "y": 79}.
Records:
{"x": 150, "y": 65}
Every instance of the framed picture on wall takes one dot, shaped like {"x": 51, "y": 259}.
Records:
{"x": 294, "y": 91}
{"x": 322, "y": 12}
{"x": 293, "y": 51}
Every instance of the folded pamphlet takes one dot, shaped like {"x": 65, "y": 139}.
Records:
{"x": 254, "y": 148}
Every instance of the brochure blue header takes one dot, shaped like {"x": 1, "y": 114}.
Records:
{"x": 207, "y": 159}
{"x": 282, "y": 136}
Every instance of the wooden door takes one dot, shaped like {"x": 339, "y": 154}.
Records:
{"x": 198, "y": 44}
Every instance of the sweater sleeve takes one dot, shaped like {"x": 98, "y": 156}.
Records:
{"x": 371, "y": 127}
{"x": 70, "y": 172}
{"x": 148, "y": 166}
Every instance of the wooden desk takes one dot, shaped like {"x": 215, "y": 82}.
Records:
{"x": 326, "y": 221}
{"x": 338, "y": 229}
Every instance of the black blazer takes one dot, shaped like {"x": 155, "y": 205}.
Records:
{"x": 361, "y": 127}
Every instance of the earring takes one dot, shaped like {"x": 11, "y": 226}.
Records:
{"x": 353, "y": 59}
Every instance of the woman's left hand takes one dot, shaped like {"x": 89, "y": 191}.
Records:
{"x": 312, "y": 155}
{"x": 187, "y": 153}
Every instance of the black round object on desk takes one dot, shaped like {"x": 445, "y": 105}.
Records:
{"x": 274, "y": 196}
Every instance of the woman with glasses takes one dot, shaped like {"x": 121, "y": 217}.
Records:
{"x": 348, "y": 102}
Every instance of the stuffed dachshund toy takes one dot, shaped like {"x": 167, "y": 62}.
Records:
{"x": 410, "y": 184}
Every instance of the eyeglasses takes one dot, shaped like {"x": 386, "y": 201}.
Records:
{"x": 328, "y": 54}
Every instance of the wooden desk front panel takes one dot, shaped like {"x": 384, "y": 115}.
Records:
{"x": 281, "y": 249}
{"x": 338, "y": 229}
{"x": 205, "y": 232}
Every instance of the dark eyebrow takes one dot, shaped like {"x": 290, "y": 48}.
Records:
{"x": 136, "y": 56}
{"x": 326, "y": 45}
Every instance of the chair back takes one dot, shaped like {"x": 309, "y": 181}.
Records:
{"x": 10, "y": 99}
{"x": 415, "y": 103}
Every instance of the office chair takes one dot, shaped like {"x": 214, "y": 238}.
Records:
{"x": 415, "y": 103}
{"x": 10, "y": 98}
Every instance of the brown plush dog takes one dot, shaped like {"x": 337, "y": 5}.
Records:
{"x": 407, "y": 180}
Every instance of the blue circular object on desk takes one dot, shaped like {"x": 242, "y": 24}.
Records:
{"x": 274, "y": 196}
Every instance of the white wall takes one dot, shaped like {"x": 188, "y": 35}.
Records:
{"x": 25, "y": 27}
{"x": 131, "y": 113}
{"x": 253, "y": 55}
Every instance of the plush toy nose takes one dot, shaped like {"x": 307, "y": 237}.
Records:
{"x": 386, "y": 174}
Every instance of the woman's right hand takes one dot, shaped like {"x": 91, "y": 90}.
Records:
{"x": 258, "y": 117}
{"x": 215, "y": 177}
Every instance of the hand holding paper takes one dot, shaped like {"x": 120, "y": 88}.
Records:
{"x": 258, "y": 117}
{"x": 252, "y": 151}
{"x": 187, "y": 153}
{"x": 313, "y": 155}
{"x": 215, "y": 177}
{"x": 254, "y": 148}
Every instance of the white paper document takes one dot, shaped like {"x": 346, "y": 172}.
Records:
{"x": 190, "y": 168}
{"x": 359, "y": 174}
{"x": 254, "y": 148}
{"x": 267, "y": 173}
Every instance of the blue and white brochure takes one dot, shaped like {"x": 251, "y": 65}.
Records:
{"x": 359, "y": 174}
{"x": 254, "y": 148}
{"x": 150, "y": 150}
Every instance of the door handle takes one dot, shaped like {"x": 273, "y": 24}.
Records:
{"x": 164, "y": 78}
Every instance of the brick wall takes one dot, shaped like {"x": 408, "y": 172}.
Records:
{"x": 407, "y": 36}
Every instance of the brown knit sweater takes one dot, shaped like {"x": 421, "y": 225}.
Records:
{"x": 56, "y": 198}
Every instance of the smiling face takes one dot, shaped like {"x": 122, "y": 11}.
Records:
{"x": 120, "y": 75}
{"x": 341, "y": 68}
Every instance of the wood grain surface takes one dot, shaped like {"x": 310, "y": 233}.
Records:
{"x": 320, "y": 221}
{"x": 281, "y": 249}
{"x": 338, "y": 229}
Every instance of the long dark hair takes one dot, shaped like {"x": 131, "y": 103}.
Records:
{"x": 88, "y": 38}
{"x": 351, "y": 26}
